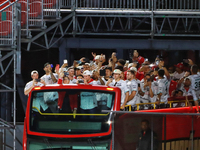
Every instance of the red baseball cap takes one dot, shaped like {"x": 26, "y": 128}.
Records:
{"x": 140, "y": 60}
{"x": 179, "y": 65}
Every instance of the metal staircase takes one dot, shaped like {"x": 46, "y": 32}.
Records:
{"x": 10, "y": 29}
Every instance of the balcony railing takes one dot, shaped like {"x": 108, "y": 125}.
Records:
{"x": 146, "y": 5}
{"x": 7, "y": 24}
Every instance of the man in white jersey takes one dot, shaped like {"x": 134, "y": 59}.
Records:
{"x": 96, "y": 77}
{"x": 146, "y": 92}
{"x": 49, "y": 77}
{"x": 87, "y": 77}
{"x": 38, "y": 101}
{"x": 108, "y": 74}
{"x": 71, "y": 76}
{"x": 163, "y": 87}
{"x": 179, "y": 73}
{"x": 195, "y": 84}
{"x": 118, "y": 82}
{"x": 187, "y": 90}
{"x": 133, "y": 87}
{"x": 35, "y": 82}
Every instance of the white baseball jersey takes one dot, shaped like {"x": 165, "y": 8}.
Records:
{"x": 163, "y": 87}
{"x": 122, "y": 85}
{"x": 138, "y": 96}
{"x": 154, "y": 87}
{"x": 29, "y": 84}
{"x": 195, "y": 84}
{"x": 146, "y": 97}
{"x": 132, "y": 86}
{"x": 104, "y": 80}
{"x": 48, "y": 80}
{"x": 94, "y": 82}
{"x": 190, "y": 92}
{"x": 176, "y": 75}
{"x": 73, "y": 81}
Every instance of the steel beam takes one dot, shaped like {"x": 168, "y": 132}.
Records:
{"x": 130, "y": 44}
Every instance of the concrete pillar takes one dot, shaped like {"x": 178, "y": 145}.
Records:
{"x": 120, "y": 53}
{"x": 65, "y": 53}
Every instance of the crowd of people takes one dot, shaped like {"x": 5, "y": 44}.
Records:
{"x": 140, "y": 81}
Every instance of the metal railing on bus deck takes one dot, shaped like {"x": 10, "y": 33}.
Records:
{"x": 68, "y": 114}
{"x": 154, "y": 104}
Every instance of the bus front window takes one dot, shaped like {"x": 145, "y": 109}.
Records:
{"x": 70, "y": 111}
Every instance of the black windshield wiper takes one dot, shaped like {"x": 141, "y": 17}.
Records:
{"x": 92, "y": 144}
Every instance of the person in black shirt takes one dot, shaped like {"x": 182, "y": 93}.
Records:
{"x": 144, "y": 142}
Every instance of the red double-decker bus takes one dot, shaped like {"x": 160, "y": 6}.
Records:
{"x": 70, "y": 117}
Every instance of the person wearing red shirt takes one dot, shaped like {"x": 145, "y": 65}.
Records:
{"x": 142, "y": 71}
{"x": 179, "y": 73}
{"x": 137, "y": 58}
{"x": 131, "y": 65}
{"x": 73, "y": 99}
{"x": 172, "y": 87}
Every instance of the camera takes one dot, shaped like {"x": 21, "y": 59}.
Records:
{"x": 148, "y": 80}
{"x": 186, "y": 61}
{"x": 138, "y": 84}
{"x": 157, "y": 62}
{"x": 80, "y": 81}
{"x": 156, "y": 69}
{"x": 102, "y": 72}
{"x": 37, "y": 80}
{"x": 66, "y": 74}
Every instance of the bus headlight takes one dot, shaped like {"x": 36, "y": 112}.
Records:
{"x": 109, "y": 122}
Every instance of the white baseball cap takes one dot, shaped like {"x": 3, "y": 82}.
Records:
{"x": 117, "y": 71}
{"x": 187, "y": 78}
{"x": 87, "y": 72}
{"x": 130, "y": 65}
{"x": 79, "y": 67}
{"x": 97, "y": 57}
{"x": 87, "y": 64}
{"x": 34, "y": 71}
{"x": 133, "y": 68}
{"x": 62, "y": 69}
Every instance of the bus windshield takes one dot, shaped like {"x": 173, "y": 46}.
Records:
{"x": 70, "y": 111}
